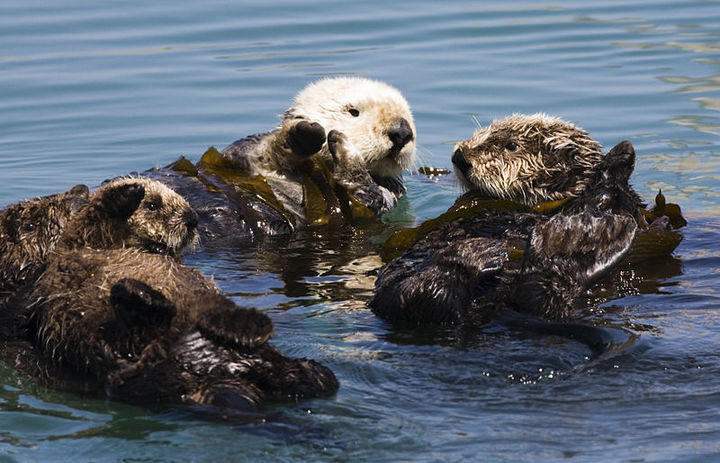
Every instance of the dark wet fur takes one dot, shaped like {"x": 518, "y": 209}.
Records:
{"x": 473, "y": 270}
{"x": 29, "y": 231}
{"x": 161, "y": 333}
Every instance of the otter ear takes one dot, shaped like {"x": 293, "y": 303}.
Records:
{"x": 620, "y": 161}
{"x": 235, "y": 326}
{"x": 137, "y": 305}
{"x": 121, "y": 201}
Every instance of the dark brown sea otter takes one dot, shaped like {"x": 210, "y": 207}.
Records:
{"x": 511, "y": 256}
{"x": 116, "y": 311}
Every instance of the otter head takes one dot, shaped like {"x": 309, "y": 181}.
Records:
{"x": 528, "y": 159}
{"x": 29, "y": 230}
{"x": 164, "y": 222}
{"x": 374, "y": 116}
{"x": 134, "y": 212}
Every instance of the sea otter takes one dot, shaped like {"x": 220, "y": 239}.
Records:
{"x": 116, "y": 311}
{"x": 29, "y": 231}
{"x": 147, "y": 329}
{"x": 292, "y": 176}
{"x": 571, "y": 219}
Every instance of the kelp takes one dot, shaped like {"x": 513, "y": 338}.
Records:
{"x": 434, "y": 171}
{"x": 465, "y": 207}
{"x": 327, "y": 202}
{"x": 657, "y": 233}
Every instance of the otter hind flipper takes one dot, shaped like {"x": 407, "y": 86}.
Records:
{"x": 621, "y": 160}
{"x": 137, "y": 305}
{"x": 566, "y": 255}
{"x": 236, "y": 326}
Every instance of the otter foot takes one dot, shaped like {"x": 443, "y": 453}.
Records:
{"x": 306, "y": 138}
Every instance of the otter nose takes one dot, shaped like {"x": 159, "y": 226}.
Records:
{"x": 191, "y": 219}
{"x": 400, "y": 133}
{"x": 459, "y": 161}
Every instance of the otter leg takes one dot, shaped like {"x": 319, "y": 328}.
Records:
{"x": 235, "y": 326}
{"x": 305, "y": 138}
{"x": 566, "y": 255}
{"x": 137, "y": 305}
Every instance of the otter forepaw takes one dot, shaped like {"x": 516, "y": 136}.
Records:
{"x": 138, "y": 305}
{"x": 122, "y": 201}
{"x": 237, "y": 327}
{"x": 337, "y": 145}
{"x": 306, "y": 138}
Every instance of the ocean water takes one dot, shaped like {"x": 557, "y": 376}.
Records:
{"x": 91, "y": 90}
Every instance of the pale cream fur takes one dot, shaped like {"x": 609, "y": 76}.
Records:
{"x": 329, "y": 101}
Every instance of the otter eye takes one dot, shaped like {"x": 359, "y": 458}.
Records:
{"x": 29, "y": 227}
{"x": 152, "y": 206}
{"x": 354, "y": 112}
{"x": 511, "y": 146}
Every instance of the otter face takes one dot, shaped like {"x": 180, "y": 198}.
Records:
{"x": 29, "y": 230}
{"x": 528, "y": 159}
{"x": 374, "y": 116}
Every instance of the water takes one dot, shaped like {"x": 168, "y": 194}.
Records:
{"x": 91, "y": 90}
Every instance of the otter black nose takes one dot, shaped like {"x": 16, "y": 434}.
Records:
{"x": 401, "y": 133}
{"x": 459, "y": 161}
{"x": 191, "y": 219}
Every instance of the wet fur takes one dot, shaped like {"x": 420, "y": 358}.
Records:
{"x": 551, "y": 160}
{"x": 469, "y": 270}
{"x": 115, "y": 310}
{"x": 149, "y": 329}
{"x": 29, "y": 231}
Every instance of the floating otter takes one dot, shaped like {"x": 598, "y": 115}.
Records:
{"x": 115, "y": 310}
{"x": 148, "y": 329}
{"x": 29, "y": 231}
{"x": 508, "y": 256}
{"x": 271, "y": 183}
{"x": 133, "y": 212}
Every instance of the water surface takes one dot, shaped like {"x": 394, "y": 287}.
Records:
{"x": 91, "y": 90}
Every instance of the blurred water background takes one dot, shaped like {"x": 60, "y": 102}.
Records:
{"x": 91, "y": 90}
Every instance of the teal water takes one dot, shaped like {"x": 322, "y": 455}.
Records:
{"x": 91, "y": 90}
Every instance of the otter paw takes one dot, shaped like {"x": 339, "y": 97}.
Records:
{"x": 306, "y": 138}
{"x": 122, "y": 201}
{"x": 236, "y": 327}
{"x": 337, "y": 145}
{"x": 138, "y": 305}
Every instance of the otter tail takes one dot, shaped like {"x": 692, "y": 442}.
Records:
{"x": 600, "y": 340}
